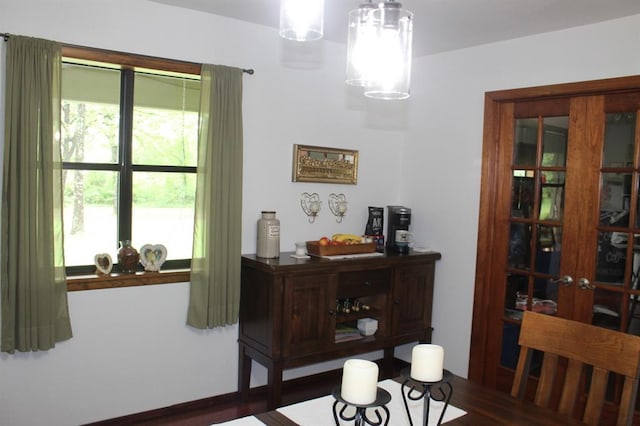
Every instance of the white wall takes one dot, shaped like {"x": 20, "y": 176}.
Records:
{"x": 444, "y": 152}
{"x": 131, "y": 351}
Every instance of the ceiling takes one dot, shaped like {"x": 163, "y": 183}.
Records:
{"x": 442, "y": 25}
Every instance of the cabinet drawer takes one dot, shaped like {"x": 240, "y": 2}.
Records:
{"x": 364, "y": 283}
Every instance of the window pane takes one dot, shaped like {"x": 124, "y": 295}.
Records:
{"x": 90, "y": 216}
{"x": 163, "y": 207}
{"x": 90, "y": 114}
{"x": 165, "y": 120}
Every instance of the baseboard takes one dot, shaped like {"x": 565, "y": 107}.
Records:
{"x": 257, "y": 393}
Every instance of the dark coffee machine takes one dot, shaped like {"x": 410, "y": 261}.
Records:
{"x": 398, "y": 237}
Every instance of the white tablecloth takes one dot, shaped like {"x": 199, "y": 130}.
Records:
{"x": 319, "y": 412}
{"x": 243, "y": 421}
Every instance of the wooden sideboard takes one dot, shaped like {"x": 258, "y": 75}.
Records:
{"x": 288, "y": 314}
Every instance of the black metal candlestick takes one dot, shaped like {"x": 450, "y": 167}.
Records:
{"x": 360, "y": 417}
{"x": 425, "y": 391}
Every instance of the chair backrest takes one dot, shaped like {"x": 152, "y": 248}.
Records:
{"x": 581, "y": 344}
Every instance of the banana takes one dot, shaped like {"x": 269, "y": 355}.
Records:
{"x": 347, "y": 238}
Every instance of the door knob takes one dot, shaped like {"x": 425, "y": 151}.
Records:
{"x": 567, "y": 280}
{"x": 584, "y": 284}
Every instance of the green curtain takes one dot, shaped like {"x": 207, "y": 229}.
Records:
{"x": 35, "y": 313}
{"x": 215, "y": 267}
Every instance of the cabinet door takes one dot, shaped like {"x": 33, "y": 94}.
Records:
{"x": 308, "y": 315}
{"x": 412, "y": 299}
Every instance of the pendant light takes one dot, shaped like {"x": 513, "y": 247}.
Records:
{"x": 301, "y": 20}
{"x": 388, "y": 71}
{"x": 360, "y": 43}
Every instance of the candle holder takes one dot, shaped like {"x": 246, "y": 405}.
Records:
{"x": 425, "y": 391}
{"x": 360, "y": 417}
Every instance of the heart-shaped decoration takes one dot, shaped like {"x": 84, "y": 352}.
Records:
{"x": 152, "y": 256}
{"x": 103, "y": 263}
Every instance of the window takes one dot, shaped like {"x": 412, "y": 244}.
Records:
{"x": 129, "y": 148}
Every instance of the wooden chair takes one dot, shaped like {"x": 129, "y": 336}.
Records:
{"x": 581, "y": 344}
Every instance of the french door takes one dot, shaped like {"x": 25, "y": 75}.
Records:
{"x": 559, "y": 226}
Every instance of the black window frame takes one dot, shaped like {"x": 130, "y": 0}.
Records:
{"x": 127, "y": 65}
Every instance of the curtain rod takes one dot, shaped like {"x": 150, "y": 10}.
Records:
{"x": 249, "y": 71}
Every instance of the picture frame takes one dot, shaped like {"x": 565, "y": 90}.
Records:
{"x": 325, "y": 165}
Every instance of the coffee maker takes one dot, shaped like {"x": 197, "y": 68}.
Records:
{"x": 398, "y": 219}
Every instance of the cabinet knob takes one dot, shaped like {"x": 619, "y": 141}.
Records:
{"x": 332, "y": 312}
{"x": 367, "y": 284}
{"x": 396, "y": 301}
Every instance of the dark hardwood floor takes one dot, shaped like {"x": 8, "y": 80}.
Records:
{"x": 228, "y": 407}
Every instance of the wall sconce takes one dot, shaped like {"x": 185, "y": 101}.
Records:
{"x": 338, "y": 206}
{"x": 310, "y": 204}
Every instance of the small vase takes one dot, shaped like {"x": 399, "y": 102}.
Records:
{"x": 128, "y": 257}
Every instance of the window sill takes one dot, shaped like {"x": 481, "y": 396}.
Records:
{"x": 115, "y": 280}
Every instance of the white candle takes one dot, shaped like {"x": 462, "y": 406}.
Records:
{"x": 359, "y": 381}
{"x": 427, "y": 363}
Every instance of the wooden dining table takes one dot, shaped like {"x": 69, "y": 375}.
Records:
{"x": 484, "y": 406}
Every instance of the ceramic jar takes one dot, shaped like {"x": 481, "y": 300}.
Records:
{"x": 268, "y": 235}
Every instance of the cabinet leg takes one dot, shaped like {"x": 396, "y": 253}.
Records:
{"x": 274, "y": 397}
{"x": 244, "y": 374}
{"x": 389, "y": 354}
{"x": 387, "y": 363}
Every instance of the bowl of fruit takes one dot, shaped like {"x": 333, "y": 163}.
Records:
{"x": 340, "y": 244}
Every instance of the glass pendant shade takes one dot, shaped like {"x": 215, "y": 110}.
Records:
{"x": 388, "y": 73}
{"x": 301, "y": 20}
{"x": 360, "y": 44}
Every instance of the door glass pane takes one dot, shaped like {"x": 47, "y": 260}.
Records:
{"x": 522, "y": 193}
{"x": 519, "y": 246}
{"x": 619, "y": 139}
{"x": 548, "y": 242}
{"x": 526, "y": 137}
{"x": 554, "y": 141}
{"x": 516, "y": 295}
{"x": 611, "y": 257}
{"x": 633, "y": 321}
{"x": 552, "y": 197}
{"x": 607, "y": 310}
{"x": 615, "y": 196}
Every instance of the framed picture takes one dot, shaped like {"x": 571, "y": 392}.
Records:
{"x": 328, "y": 165}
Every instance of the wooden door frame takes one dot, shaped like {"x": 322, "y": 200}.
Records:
{"x": 493, "y": 102}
